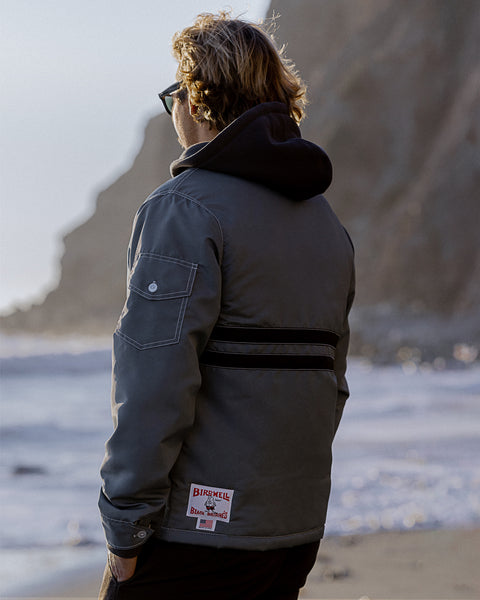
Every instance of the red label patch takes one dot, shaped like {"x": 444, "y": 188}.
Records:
{"x": 209, "y": 505}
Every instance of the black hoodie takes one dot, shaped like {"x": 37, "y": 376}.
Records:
{"x": 264, "y": 145}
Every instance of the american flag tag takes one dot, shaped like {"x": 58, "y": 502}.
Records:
{"x": 208, "y": 524}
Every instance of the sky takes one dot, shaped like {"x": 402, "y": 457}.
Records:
{"x": 79, "y": 81}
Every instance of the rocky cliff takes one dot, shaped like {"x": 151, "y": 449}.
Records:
{"x": 91, "y": 291}
{"x": 394, "y": 90}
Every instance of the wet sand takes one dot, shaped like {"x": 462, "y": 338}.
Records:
{"x": 421, "y": 565}
{"x": 398, "y": 565}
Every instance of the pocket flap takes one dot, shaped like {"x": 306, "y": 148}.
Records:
{"x": 157, "y": 277}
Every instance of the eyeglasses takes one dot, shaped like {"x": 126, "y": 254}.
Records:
{"x": 167, "y": 97}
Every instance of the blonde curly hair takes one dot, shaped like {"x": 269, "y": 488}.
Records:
{"x": 228, "y": 66}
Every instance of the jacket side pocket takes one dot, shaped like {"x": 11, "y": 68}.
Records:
{"x": 158, "y": 292}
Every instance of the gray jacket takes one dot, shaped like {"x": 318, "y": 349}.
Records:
{"x": 230, "y": 353}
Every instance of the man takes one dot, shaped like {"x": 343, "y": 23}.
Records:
{"x": 230, "y": 353}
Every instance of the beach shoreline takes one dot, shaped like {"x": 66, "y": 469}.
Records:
{"x": 395, "y": 565}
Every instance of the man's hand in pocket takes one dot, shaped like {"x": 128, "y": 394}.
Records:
{"x": 122, "y": 568}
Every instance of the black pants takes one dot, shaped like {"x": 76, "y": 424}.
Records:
{"x": 167, "y": 570}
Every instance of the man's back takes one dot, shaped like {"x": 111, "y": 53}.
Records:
{"x": 272, "y": 284}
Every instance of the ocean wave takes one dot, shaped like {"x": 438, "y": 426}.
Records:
{"x": 56, "y": 363}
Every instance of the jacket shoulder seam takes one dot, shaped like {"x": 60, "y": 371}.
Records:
{"x": 176, "y": 191}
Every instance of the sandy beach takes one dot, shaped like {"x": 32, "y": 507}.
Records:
{"x": 422, "y": 565}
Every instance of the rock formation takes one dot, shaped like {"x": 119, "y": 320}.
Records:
{"x": 394, "y": 90}
{"x": 91, "y": 291}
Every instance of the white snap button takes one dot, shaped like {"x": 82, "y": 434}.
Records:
{"x": 153, "y": 287}
{"x": 142, "y": 534}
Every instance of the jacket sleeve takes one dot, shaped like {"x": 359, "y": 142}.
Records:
{"x": 172, "y": 305}
{"x": 341, "y": 357}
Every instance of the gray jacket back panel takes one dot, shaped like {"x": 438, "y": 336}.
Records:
{"x": 229, "y": 356}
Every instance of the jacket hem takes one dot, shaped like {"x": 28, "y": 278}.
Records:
{"x": 239, "y": 542}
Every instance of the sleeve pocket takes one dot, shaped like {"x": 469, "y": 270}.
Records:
{"x": 158, "y": 291}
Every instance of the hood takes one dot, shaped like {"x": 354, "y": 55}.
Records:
{"x": 263, "y": 145}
